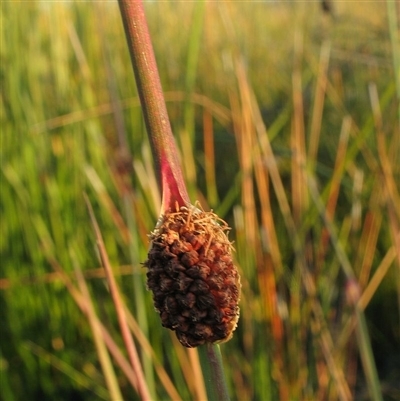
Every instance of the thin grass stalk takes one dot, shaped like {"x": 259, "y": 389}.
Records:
{"x": 73, "y": 374}
{"x": 245, "y": 137}
{"x": 334, "y": 187}
{"x": 377, "y": 278}
{"x": 80, "y": 54}
{"x": 187, "y": 133}
{"x": 270, "y": 272}
{"x": 209, "y": 158}
{"x": 269, "y": 235}
{"x": 105, "y": 362}
{"x": 126, "y": 335}
{"x": 195, "y": 36}
{"x": 184, "y": 365}
{"x": 299, "y": 204}
{"x": 325, "y": 341}
{"x": 356, "y": 207}
{"x": 345, "y": 263}
{"x": 47, "y": 278}
{"x": 200, "y": 389}
{"x": 247, "y": 233}
{"x": 190, "y": 367}
{"x": 48, "y": 249}
{"x": 139, "y": 297}
{"x": 367, "y": 356}
{"x": 148, "y": 180}
{"x": 395, "y": 232}
{"x": 395, "y": 41}
{"x": 368, "y": 244}
{"x": 189, "y": 363}
{"x": 384, "y": 160}
{"x": 7, "y": 391}
{"x": 148, "y": 349}
{"x": 122, "y": 169}
{"x": 309, "y": 285}
{"x": 115, "y": 101}
{"x": 107, "y": 202}
{"x": 364, "y": 342}
{"x": 220, "y": 112}
{"x": 391, "y": 189}
{"x": 248, "y": 261}
{"x": 339, "y": 167}
{"x": 298, "y": 143}
{"x": 81, "y": 302}
{"x": 111, "y": 345}
{"x": 319, "y": 101}
{"x": 244, "y": 214}
{"x": 231, "y": 196}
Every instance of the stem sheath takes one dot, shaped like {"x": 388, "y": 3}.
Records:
{"x": 153, "y": 104}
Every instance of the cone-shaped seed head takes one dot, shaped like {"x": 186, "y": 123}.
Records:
{"x": 195, "y": 285}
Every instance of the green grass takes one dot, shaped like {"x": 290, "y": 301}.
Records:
{"x": 265, "y": 100}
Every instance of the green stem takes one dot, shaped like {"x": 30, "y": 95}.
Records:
{"x": 153, "y": 104}
{"x": 213, "y": 372}
{"x": 364, "y": 342}
{"x": 394, "y": 38}
{"x": 367, "y": 356}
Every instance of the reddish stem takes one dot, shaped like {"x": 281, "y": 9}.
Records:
{"x": 153, "y": 104}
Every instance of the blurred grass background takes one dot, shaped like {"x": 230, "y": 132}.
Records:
{"x": 287, "y": 119}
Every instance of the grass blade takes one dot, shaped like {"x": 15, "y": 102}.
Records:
{"x": 72, "y": 373}
{"x": 364, "y": 342}
{"x": 108, "y": 370}
{"x": 129, "y": 344}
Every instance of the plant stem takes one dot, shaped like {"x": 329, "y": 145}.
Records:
{"x": 153, "y": 104}
{"x": 367, "y": 356}
{"x": 364, "y": 342}
{"x": 394, "y": 38}
{"x": 214, "y": 377}
{"x": 118, "y": 303}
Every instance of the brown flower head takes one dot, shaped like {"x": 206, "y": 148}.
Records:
{"x": 195, "y": 285}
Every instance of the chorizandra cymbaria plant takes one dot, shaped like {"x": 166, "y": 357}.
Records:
{"x": 195, "y": 284}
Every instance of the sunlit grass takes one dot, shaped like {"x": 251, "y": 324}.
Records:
{"x": 281, "y": 96}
